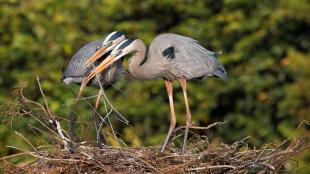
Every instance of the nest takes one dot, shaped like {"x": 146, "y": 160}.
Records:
{"x": 201, "y": 156}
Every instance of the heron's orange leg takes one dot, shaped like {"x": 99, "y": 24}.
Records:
{"x": 173, "y": 118}
{"x": 97, "y": 120}
{"x": 72, "y": 113}
{"x": 188, "y": 114}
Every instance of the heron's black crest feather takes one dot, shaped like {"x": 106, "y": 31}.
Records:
{"x": 169, "y": 52}
{"x": 116, "y": 35}
{"x": 126, "y": 43}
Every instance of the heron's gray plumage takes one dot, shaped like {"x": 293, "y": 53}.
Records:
{"x": 75, "y": 73}
{"x": 182, "y": 57}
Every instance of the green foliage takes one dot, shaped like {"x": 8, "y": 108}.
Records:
{"x": 265, "y": 47}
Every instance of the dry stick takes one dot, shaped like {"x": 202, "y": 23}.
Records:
{"x": 211, "y": 167}
{"x": 209, "y": 126}
{"x": 304, "y": 122}
{"x": 60, "y": 132}
{"x": 58, "y": 127}
{"x": 24, "y": 99}
{"x": 105, "y": 97}
{"x": 118, "y": 113}
{"x": 44, "y": 98}
{"x": 42, "y": 157}
{"x": 14, "y": 155}
{"x": 89, "y": 97}
{"x": 154, "y": 168}
{"x": 47, "y": 112}
{"x": 92, "y": 107}
{"x": 34, "y": 131}
{"x": 41, "y": 131}
{"x": 103, "y": 121}
{"x": 98, "y": 130}
{"x": 269, "y": 166}
{"x": 81, "y": 165}
{"x": 44, "y": 125}
{"x": 101, "y": 166}
{"x": 10, "y": 164}
{"x": 20, "y": 135}
{"x": 196, "y": 127}
{"x": 201, "y": 128}
{"x": 106, "y": 115}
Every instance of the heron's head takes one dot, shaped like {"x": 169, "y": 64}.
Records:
{"x": 108, "y": 44}
{"x": 125, "y": 47}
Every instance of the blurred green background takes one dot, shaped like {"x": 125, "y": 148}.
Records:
{"x": 265, "y": 48}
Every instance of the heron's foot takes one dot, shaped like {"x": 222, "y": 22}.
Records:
{"x": 164, "y": 147}
{"x": 185, "y": 138}
{"x": 101, "y": 140}
{"x": 170, "y": 138}
{"x": 184, "y": 146}
{"x": 167, "y": 141}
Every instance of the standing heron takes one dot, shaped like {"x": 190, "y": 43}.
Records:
{"x": 81, "y": 65}
{"x": 171, "y": 57}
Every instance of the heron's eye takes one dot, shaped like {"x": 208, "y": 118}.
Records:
{"x": 118, "y": 53}
{"x": 98, "y": 47}
{"x": 108, "y": 44}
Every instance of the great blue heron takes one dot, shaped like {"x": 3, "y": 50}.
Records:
{"x": 81, "y": 65}
{"x": 172, "y": 57}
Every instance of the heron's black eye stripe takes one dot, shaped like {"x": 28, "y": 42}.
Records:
{"x": 115, "y": 36}
{"x": 169, "y": 52}
{"x": 125, "y": 44}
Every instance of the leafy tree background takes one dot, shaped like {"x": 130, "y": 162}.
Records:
{"x": 265, "y": 48}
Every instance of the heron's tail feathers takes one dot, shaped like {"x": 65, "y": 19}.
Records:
{"x": 220, "y": 73}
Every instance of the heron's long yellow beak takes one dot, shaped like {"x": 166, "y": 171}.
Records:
{"x": 103, "y": 65}
{"x": 95, "y": 57}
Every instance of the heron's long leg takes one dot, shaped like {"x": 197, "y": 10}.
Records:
{"x": 96, "y": 120}
{"x": 173, "y": 118}
{"x": 188, "y": 114}
{"x": 72, "y": 113}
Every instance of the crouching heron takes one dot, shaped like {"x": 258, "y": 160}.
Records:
{"x": 81, "y": 65}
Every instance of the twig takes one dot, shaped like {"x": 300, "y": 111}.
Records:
{"x": 60, "y": 132}
{"x": 211, "y": 167}
{"x": 20, "y": 135}
{"x": 14, "y": 155}
{"x": 58, "y": 127}
{"x": 43, "y": 157}
{"x": 44, "y": 98}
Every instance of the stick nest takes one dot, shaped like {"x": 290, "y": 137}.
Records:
{"x": 201, "y": 156}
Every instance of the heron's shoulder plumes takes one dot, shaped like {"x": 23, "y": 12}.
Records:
{"x": 74, "y": 68}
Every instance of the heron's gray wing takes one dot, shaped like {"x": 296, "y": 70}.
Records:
{"x": 74, "y": 68}
{"x": 193, "y": 60}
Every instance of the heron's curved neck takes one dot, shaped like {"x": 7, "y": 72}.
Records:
{"x": 145, "y": 71}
